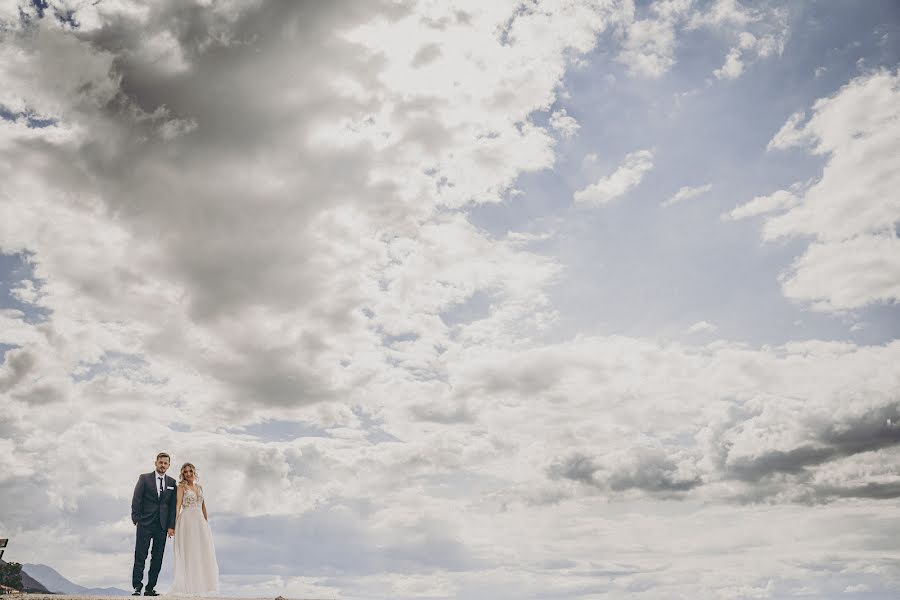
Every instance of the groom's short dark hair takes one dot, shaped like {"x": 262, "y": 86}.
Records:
{"x": 162, "y": 454}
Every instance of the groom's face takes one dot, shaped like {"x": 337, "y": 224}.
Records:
{"x": 162, "y": 464}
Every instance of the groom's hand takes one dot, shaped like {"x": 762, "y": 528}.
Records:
{"x": 170, "y": 533}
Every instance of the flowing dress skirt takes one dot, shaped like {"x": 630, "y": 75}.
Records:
{"x": 196, "y": 569}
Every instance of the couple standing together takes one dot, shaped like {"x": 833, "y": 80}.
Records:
{"x": 162, "y": 508}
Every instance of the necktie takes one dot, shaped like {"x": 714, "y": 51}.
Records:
{"x": 160, "y": 487}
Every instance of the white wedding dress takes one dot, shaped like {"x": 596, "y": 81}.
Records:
{"x": 196, "y": 569}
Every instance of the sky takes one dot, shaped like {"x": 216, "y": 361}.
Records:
{"x": 472, "y": 300}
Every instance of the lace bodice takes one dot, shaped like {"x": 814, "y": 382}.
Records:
{"x": 192, "y": 499}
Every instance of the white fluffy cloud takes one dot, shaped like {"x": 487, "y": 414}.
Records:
{"x": 851, "y": 210}
{"x": 780, "y": 200}
{"x": 649, "y": 49}
{"x": 846, "y": 274}
{"x": 650, "y": 44}
{"x": 701, "y": 327}
{"x": 687, "y": 192}
{"x": 732, "y": 67}
{"x": 751, "y": 47}
{"x": 566, "y": 126}
{"x": 626, "y": 177}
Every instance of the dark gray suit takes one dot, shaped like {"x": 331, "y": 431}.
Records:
{"x": 154, "y": 514}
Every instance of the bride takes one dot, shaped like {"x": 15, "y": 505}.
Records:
{"x": 196, "y": 569}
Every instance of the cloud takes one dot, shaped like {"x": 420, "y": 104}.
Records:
{"x": 177, "y": 127}
{"x": 626, "y": 177}
{"x": 846, "y": 274}
{"x": 80, "y": 78}
{"x": 438, "y": 413}
{"x": 426, "y": 54}
{"x": 687, "y": 192}
{"x": 649, "y": 48}
{"x": 566, "y": 126}
{"x": 16, "y": 365}
{"x": 850, "y": 263}
{"x": 757, "y": 435}
{"x": 163, "y": 183}
{"x": 790, "y": 134}
{"x": 733, "y": 66}
{"x": 335, "y": 540}
{"x": 650, "y": 44}
{"x": 760, "y": 205}
{"x": 701, "y": 327}
{"x": 751, "y": 47}
{"x": 651, "y": 470}
{"x": 724, "y": 12}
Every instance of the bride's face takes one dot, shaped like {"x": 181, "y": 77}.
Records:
{"x": 188, "y": 474}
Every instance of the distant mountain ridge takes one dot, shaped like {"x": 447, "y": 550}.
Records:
{"x": 29, "y": 583}
{"x": 57, "y": 584}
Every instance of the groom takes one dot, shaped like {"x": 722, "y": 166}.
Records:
{"x": 153, "y": 512}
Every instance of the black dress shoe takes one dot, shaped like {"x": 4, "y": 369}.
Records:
{"x": 137, "y": 592}
{"x": 150, "y": 593}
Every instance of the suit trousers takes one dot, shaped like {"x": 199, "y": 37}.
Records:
{"x": 145, "y": 535}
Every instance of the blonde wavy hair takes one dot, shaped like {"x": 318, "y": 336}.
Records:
{"x": 181, "y": 473}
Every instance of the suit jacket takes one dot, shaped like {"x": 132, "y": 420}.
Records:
{"x": 149, "y": 507}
